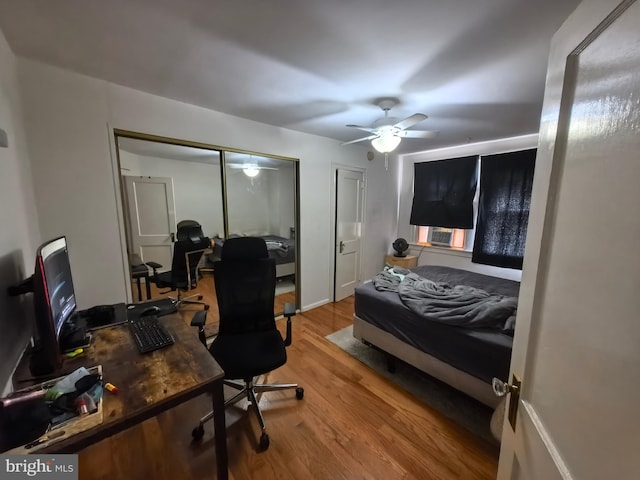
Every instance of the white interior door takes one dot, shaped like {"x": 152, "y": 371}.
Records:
{"x": 577, "y": 344}
{"x": 152, "y": 218}
{"x": 349, "y": 216}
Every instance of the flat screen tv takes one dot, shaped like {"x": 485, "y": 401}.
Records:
{"x": 54, "y": 302}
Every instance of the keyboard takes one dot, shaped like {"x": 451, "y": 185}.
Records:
{"x": 149, "y": 334}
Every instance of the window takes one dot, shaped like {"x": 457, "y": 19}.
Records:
{"x": 506, "y": 181}
{"x": 502, "y": 202}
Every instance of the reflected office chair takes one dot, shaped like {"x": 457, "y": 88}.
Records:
{"x": 188, "y": 249}
{"x": 248, "y": 343}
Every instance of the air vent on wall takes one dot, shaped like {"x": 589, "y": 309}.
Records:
{"x": 440, "y": 236}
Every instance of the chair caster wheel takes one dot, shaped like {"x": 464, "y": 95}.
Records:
{"x": 299, "y": 393}
{"x": 264, "y": 441}
{"x": 198, "y": 432}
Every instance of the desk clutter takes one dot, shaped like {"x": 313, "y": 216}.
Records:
{"x": 45, "y": 413}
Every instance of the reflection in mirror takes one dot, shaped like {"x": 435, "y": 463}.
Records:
{"x": 261, "y": 201}
{"x": 164, "y": 183}
{"x": 165, "y": 186}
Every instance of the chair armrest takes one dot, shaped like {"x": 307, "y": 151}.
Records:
{"x": 199, "y": 319}
{"x": 155, "y": 266}
{"x": 289, "y": 311}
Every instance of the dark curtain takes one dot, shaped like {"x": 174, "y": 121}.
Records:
{"x": 443, "y": 192}
{"x": 505, "y": 197}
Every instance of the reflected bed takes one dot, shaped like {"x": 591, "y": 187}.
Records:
{"x": 281, "y": 249}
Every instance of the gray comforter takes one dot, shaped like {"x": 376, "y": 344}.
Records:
{"x": 460, "y": 305}
{"x": 280, "y": 248}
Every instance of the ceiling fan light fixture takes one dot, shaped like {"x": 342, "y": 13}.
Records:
{"x": 386, "y": 142}
{"x": 251, "y": 170}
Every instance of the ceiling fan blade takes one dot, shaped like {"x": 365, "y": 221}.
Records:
{"x": 370, "y": 137}
{"x": 417, "y": 133}
{"x": 410, "y": 121}
{"x": 366, "y": 129}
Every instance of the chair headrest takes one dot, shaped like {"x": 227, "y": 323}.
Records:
{"x": 244, "y": 248}
{"x": 190, "y": 232}
{"x": 187, "y": 223}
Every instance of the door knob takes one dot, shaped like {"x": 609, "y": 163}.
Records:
{"x": 341, "y": 246}
{"x": 501, "y": 388}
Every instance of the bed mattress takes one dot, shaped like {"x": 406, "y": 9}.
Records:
{"x": 482, "y": 353}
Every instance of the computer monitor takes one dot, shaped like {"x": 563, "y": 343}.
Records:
{"x": 54, "y": 301}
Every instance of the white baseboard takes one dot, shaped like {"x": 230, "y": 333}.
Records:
{"x": 315, "y": 305}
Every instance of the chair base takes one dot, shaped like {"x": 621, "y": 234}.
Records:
{"x": 249, "y": 390}
{"x": 180, "y": 300}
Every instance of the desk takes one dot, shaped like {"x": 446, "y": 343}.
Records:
{"x": 149, "y": 384}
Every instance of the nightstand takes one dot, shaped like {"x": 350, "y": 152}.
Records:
{"x": 405, "y": 262}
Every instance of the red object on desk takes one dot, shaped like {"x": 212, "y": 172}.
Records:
{"x": 111, "y": 388}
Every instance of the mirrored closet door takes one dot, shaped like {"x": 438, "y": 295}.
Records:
{"x": 228, "y": 193}
{"x": 261, "y": 202}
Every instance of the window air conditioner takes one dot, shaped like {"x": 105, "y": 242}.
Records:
{"x": 440, "y": 236}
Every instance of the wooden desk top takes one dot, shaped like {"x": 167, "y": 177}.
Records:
{"x": 148, "y": 383}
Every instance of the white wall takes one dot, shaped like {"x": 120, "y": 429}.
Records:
{"x": 438, "y": 256}
{"x": 67, "y": 118}
{"x": 19, "y": 236}
{"x": 381, "y": 197}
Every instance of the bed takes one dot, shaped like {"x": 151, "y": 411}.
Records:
{"x": 281, "y": 249}
{"x": 465, "y": 357}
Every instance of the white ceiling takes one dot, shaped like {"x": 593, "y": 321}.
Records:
{"x": 475, "y": 67}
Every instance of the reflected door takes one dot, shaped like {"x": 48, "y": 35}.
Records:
{"x": 152, "y": 219}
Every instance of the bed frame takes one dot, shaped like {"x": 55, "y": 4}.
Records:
{"x": 472, "y": 386}
{"x": 285, "y": 269}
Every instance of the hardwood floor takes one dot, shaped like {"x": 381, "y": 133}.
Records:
{"x": 351, "y": 424}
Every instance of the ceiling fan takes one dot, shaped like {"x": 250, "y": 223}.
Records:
{"x": 387, "y": 133}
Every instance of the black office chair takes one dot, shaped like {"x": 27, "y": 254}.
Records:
{"x": 188, "y": 249}
{"x": 187, "y": 223}
{"x": 248, "y": 343}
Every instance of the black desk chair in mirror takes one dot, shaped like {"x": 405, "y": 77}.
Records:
{"x": 188, "y": 249}
{"x": 248, "y": 343}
